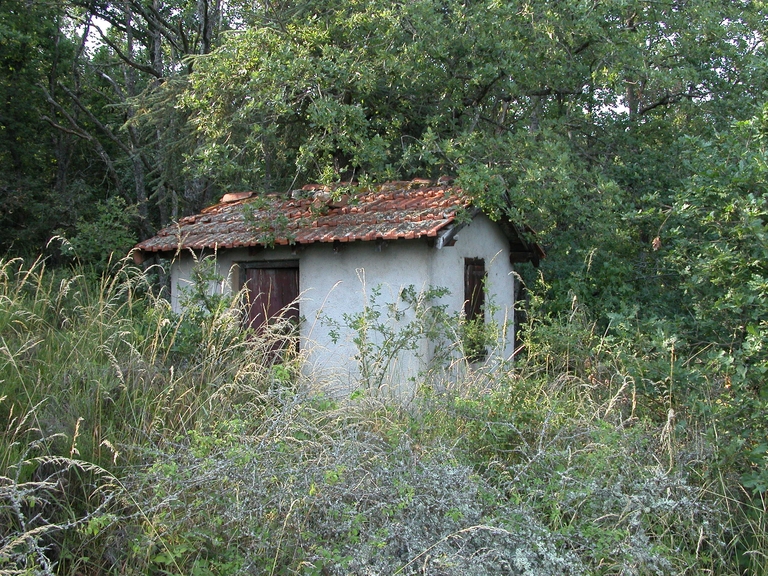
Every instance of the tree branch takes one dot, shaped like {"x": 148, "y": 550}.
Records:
{"x": 78, "y": 131}
{"x": 166, "y": 28}
{"x": 553, "y": 92}
{"x": 132, "y": 63}
{"x": 668, "y": 99}
{"x": 76, "y": 100}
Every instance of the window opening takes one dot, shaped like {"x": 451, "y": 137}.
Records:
{"x": 474, "y": 334}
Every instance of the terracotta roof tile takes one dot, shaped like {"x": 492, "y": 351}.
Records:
{"x": 390, "y": 211}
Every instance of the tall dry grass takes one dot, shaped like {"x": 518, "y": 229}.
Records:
{"x": 92, "y": 371}
{"x": 138, "y": 441}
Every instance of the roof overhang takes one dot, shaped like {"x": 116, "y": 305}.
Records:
{"x": 319, "y": 214}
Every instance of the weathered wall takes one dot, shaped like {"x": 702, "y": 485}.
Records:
{"x": 334, "y": 283}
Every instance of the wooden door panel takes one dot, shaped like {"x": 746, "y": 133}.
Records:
{"x": 271, "y": 292}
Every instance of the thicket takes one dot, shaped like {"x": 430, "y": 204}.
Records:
{"x": 137, "y": 441}
{"x": 628, "y": 437}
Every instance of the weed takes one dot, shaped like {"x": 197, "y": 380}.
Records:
{"x": 142, "y": 441}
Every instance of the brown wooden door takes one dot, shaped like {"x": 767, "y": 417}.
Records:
{"x": 272, "y": 292}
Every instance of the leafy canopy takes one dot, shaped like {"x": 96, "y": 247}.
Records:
{"x": 420, "y": 88}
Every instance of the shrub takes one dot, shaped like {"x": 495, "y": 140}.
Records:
{"x": 104, "y": 240}
{"x": 142, "y": 457}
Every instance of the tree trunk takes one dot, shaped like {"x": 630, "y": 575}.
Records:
{"x": 136, "y": 163}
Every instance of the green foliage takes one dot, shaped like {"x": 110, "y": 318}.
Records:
{"x": 267, "y": 223}
{"x": 715, "y": 242}
{"x": 33, "y": 52}
{"x": 209, "y": 319}
{"x": 56, "y": 503}
{"x": 361, "y": 504}
{"x": 104, "y": 239}
{"x": 383, "y": 89}
{"x": 419, "y": 88}
{"x": 476, "y": 337}
{"x": 630, "y": 435}
{"x": 144, "y": 459}
{"x": 384, "y": 333}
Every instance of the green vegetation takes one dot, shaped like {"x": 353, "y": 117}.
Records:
{"x": 630, "y": 435}
{"x": 142, "y": 442}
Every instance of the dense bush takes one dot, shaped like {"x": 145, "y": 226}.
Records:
{"x": 124, "y": 454}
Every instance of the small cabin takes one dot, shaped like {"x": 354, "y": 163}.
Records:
{"x": 322, "y": 257}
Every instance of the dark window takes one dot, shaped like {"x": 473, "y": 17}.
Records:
{"x": 474, "y": 333}
{"x": 474, "y": 296}
{"x": 271, "y": 292}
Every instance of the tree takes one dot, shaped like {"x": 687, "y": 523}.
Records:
{"x": 386, "y": 87}
{"x": 32, "y": 54}
{"x": 714, "y": 253}
{"x": 129, "y": 51}
{"x": 566, "y": 115}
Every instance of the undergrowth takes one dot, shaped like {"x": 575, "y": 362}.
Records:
{"x": 138, "y": 441}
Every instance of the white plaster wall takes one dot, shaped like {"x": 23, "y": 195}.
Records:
{"x": 343, "y": 282}
{"x": 481, "y": 239}
{"x": 334, "y": 283}
{"x": 226, "y": 266}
